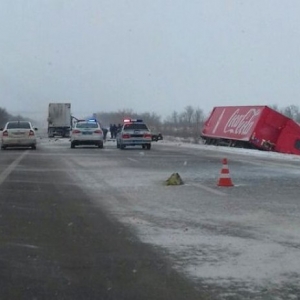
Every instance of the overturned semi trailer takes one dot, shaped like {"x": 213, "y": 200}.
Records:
{"x": 259, "y": 127}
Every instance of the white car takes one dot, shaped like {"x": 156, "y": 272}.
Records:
{"x": 87, "y": 132}
{"x": 18, "y": 134}
{"x": 134, "y": 133}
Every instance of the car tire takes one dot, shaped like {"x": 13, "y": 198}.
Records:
{"x": 122, "y": 147}
{"x": 72, "y": 145}
{"x": 118, "y": 145}
{"x": 3, "y": 148}
{"x": 100, "y": 145}
{"x": 148, "y": 146}
{"x": 33, "y": 147}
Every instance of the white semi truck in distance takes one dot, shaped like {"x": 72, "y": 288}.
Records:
{"x": 59, "y": 119}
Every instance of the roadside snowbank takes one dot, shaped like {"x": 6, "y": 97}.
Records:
{"x": 188, "y": 143}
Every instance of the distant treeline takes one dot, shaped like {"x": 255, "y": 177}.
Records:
{"x": 291, "y": 111}
{"x": 5, "y": 117}
{"x": 187, "y": 123}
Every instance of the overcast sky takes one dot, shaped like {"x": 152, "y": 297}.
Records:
{"x": 148, "y": 55}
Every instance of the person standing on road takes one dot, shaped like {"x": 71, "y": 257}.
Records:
{"x": 114, "y": 131}
{"x": 111, "y": 131}
{"x": 105, "y": 130}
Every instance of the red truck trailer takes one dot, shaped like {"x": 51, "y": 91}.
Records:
{"x": 252, "y": 127}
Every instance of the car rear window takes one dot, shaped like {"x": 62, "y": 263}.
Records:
{"x": 135, "y": 126}
{"x": 87, "y": 125}
{"x": 17, "y": 125}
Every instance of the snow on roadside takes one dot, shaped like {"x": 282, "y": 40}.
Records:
{"x": 265, "y": 255}
{"x": 188, "y": 143}
{"x": 217, "y": 248}
{"x": 236, "y": 249}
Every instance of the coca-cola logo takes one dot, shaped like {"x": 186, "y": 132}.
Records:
{"x": 241, "y": 123}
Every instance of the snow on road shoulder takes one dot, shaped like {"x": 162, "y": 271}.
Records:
{"x": 183, "y": 143}
{"x": 247, "y": 252}
{"x": 236, "y": 244}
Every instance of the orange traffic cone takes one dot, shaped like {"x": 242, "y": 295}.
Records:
{"x": 225, "y": 179}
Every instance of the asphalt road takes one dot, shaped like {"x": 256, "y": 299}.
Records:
{"x": 55, "y": 244}
{"x": 60, "y": 238}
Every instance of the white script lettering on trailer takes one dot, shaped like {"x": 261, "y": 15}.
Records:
{"x": 241, "y": 123}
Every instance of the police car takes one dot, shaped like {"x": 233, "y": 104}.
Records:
{"x": 134, "y": 132}
{"x": 87, "y": 132}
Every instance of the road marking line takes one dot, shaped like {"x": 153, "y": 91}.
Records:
{"x": 23, "y": 245}
{"x": 208, "y": 189}
{"x": 132, "y": 159}
{"x": 11, "y": 167}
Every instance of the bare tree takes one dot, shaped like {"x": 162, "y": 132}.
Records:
{"x": 189, "y": 112}
{"x": 198, "y": 119}
{"x": 4, "y": 116}
{"x": 292, "y": 111}
{"x": 151, "y": 119}
{"x": 174, "y": 117}
{"x": 275, "y": 107}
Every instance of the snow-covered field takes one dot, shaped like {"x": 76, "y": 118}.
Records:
{"x": 241, "y": 242}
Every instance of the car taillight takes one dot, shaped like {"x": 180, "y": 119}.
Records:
{"x": 126, "y": 136}
{"x": 98, "y": 131}
{"x": 76, "y": 131}
{"x": 147, "y": 136}
{"x": 5, "y": 133}
{"x": 31, "y": 133}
